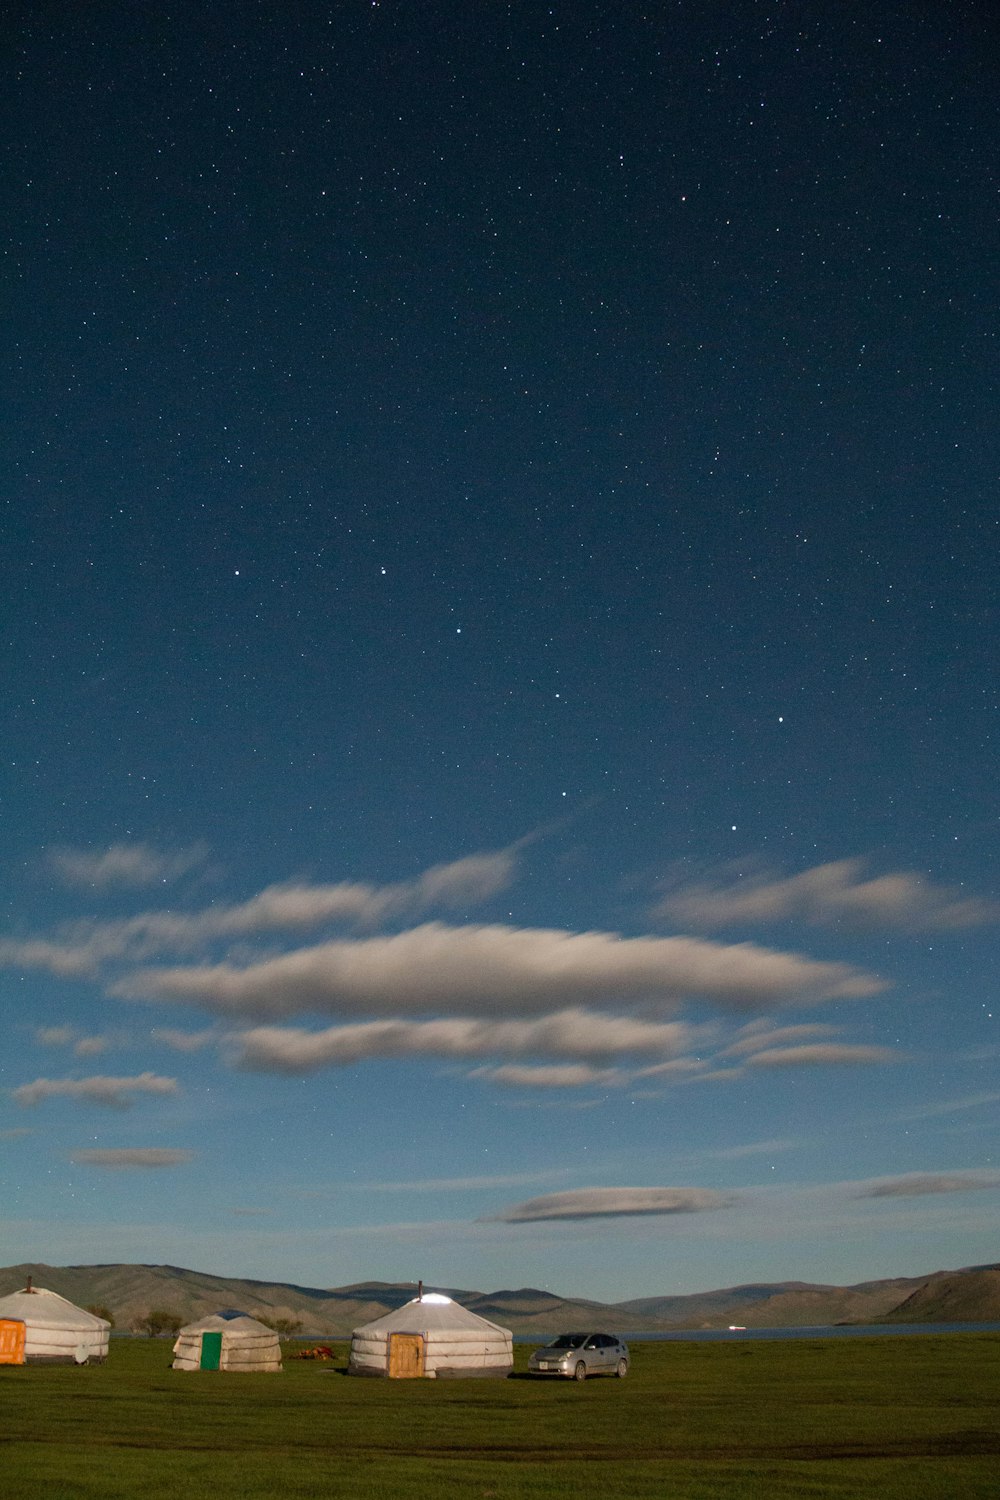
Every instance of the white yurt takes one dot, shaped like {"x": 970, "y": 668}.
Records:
{"x": 40, "y": 1327}
{"x": 228, "y": 1340}
{"x": 433, "y": 1337}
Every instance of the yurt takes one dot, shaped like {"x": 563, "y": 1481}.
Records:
{"x": 227, "y": 1341}
{"x": 433, "y": 1337}
{"x": 40, "y": 1327}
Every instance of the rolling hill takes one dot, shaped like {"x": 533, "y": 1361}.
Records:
{"x": 131, "y": 1292}
{"x": 963, "y": 1297}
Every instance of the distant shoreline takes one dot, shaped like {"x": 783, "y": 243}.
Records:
{"x": 817, "y": 1331}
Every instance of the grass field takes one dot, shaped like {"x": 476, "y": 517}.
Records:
{"x": 908, "y": 1418}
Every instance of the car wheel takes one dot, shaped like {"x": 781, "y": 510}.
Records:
{"x": 580, "y": 1373}
{"x": 622, "y": 1369}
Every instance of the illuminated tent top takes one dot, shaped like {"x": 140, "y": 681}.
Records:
{"x": 431, "y": 1336}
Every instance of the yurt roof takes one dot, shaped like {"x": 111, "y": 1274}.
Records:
{"x": 229, "y": 1321}
{"x": 432, "y": 1312}
{"x": 48, "y": 1309}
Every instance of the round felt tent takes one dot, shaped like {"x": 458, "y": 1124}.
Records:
{"x": 40, "y": 1327}
{"x": 434, "y": 1337}
{"x": 227, "y": 1341}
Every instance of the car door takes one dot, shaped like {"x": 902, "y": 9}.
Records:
{"x": 595, "y": 1354}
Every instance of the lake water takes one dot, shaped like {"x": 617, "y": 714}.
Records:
{"x": 817, "y": 1331}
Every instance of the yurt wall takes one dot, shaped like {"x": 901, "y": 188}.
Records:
{"x": 54, "y": 1330}
{"x": 233, "y": 1342}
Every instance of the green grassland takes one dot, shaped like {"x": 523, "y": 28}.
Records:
{"x": 907, "y": 1418}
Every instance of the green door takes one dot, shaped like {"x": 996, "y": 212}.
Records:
{"x": 211, "y": 1351}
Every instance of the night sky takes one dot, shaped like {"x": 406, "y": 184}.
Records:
{"x": 498, "y": 766}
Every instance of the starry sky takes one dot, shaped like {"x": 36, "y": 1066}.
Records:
{"x": 498, "y": 764}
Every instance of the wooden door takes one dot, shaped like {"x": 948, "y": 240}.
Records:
{"x": 12, "y": 1333}
{"x": 406, "y": 1356}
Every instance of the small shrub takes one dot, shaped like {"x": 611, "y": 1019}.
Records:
{"x": 159, "y": 1321}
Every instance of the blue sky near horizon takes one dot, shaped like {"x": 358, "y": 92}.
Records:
{"x": 500, "y": 542}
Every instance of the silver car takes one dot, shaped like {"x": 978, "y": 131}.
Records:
{"x": 577, "y": 1355}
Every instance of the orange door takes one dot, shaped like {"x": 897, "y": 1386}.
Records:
{"x": 406, "y": 1356}
{"x": 11, "y": 1341}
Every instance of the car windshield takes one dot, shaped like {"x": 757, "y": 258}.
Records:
{"x": 568, "y": 1341}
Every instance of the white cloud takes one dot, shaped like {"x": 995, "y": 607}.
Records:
{"x": 757, "y": 1038}
{"x": 55, "y": 1036}
{"x": 130, "y": 1158}
{"x": 949, "y": 1106}
{"x": 463, "y": 881}
{"x": 761, "y": 1210}
{"x": 826, "y": 894}
{"x": 91, "y": 1046}
{"x": 556, "y": 1076}
{"x": 917, "y": 1184}
{"x": 754, "y": 1148}
{"x": 680, "y": 1068}
{"x": 607, "y": 1203}
{"x": 68, "y": 1036}
{"x": 67, "y": 960}
{"x": 571, "y": 1033}
{"x": 83, "y": 947}
{"x": 113, "y": 1093}
{"x": 822, "y": 1053}
{"x": 291, "y": 907}
{"x": 123, "y": 865}
{"x": 437, "y": 968}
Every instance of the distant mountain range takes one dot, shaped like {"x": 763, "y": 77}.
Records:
{"x": 132, "y": 1292}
